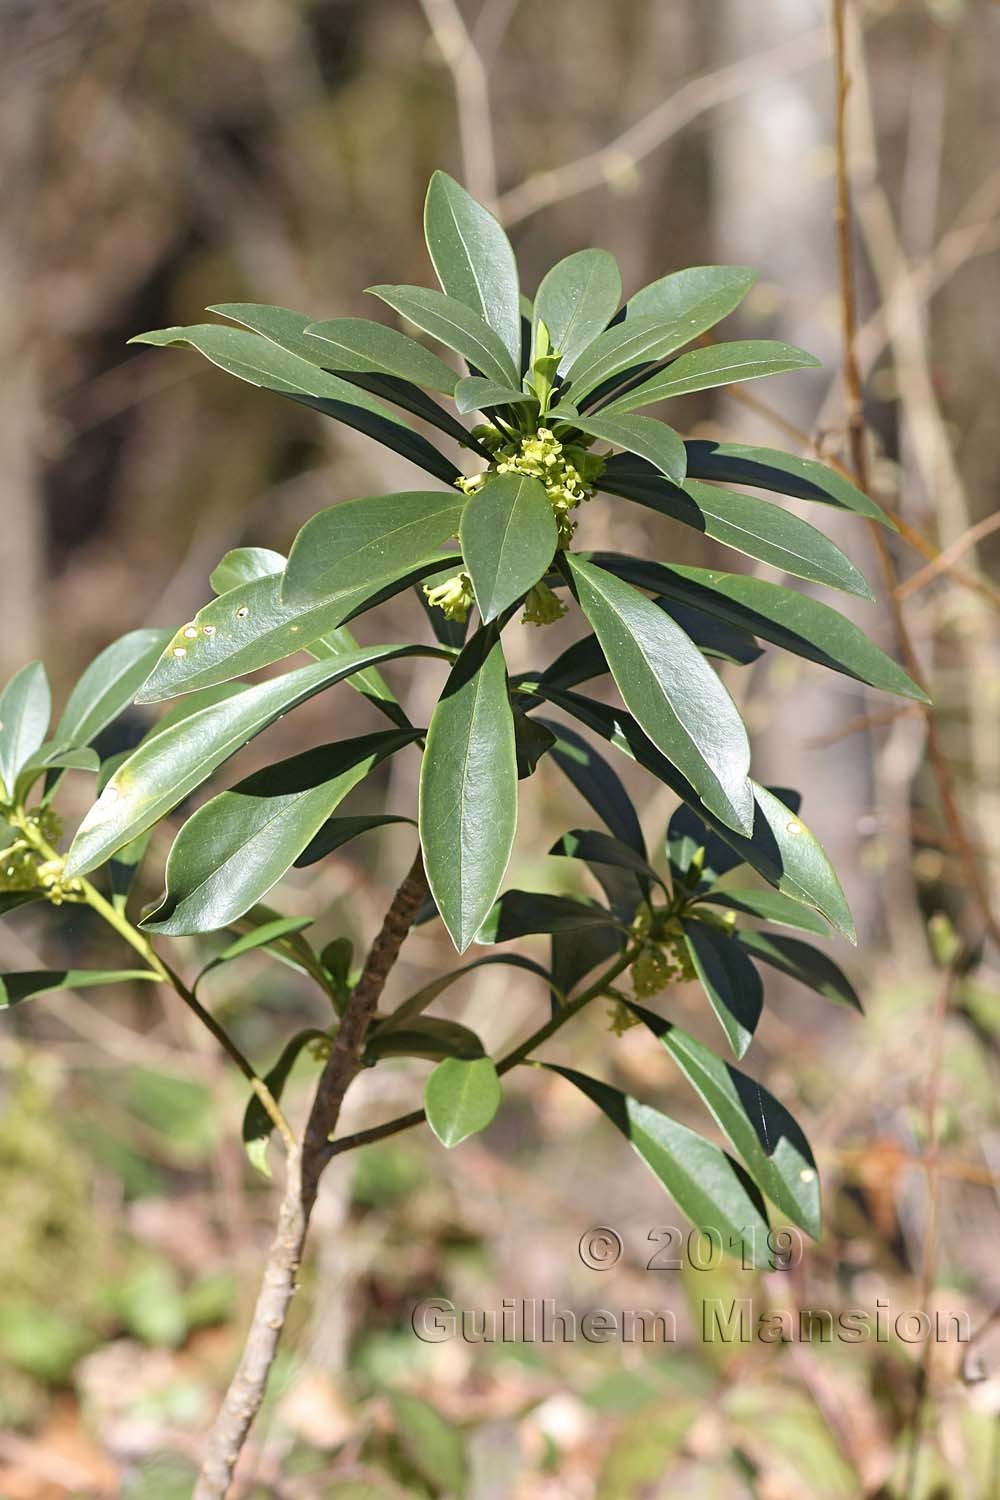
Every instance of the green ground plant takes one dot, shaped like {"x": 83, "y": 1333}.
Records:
{"x": 559, "y": 385}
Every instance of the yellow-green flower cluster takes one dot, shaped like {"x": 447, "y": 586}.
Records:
{"x": 542, "y": 606}
{"x": 18, "y": 868}
{"x": 663, "y": 958}
{"x": 620, "y": 1018}
{"x": 567, "y": 470}
{"x": 24, "y": 868}
{"x": 453, "y": 597}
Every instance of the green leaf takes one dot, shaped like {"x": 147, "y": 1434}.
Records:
{"x": 454, "y": 325}
{"x": 770, "y": 906}
{"x": 411, "y": 398}
{"x": 124, "y": 868}
{"x": 257, "y": 1124}
{"x": 367, "y": 542}
{"x": 770, "y": 469}
{"x": 208, "y": 697}
{"x": 25, "y": 708}
{"x": 760, "y": 1128}
{"x": 473, "y": 259}
{"x": 622, "y": 348}
{"x": 27, "y": 983}
{"x": 418, "y": 1002}
{"x": 291, "y": 948}
{"x": 532, "y": 741}
{"x": 643, "y": 436}
{"x": 359, "y": 344}
{"x": 523, "y": 913}
{"x": 425, "y": 1036}
{"x": 461, "y": 1097}
{"x": 803, "y": 962}
{"x": 468, "y": 788}
{"x": 781, "y": 848}
{"x": 476, "y": 394}
{"x": 703, "y": 295}
{"x": 53, "y": 757}
{"x": 435, "y": 1447}
{"x": 508, "y": 534}
{"x": 243, "y": 565}
{"x": 268, "y": 631}
{"x": 272, "y": 366}
{"x": 675, "y": 696}
{"x": 258, "y": 937}
{"x": 577, "y": 300}
{"x": 749, "y": 525}
{"x": 791, "y": 620}
{"x": 12, "y": 900}
{"x": 712, "y": 636}
{"x": 109, "y": 685}
{"x": 580, "y": 662}
{"x": 293, "y": 331}
{"x": 686, "y": 834}
{"x": 237, "y": 846}
{"x": 601, "y": 849}
{"x": 245, "y": 629}
{"x": 598, "y": 784}
{"x": 339, "y": 831}
{"x": 720, "y": 364}
{"x": 714, "y": 1192}
{"x": 729, "y": 979}
{"x": 167, "y": 768}
{"x": 575, "y": 953}
{"x": 585, "y": 660}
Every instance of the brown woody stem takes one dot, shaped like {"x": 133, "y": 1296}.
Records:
{"x": 304, "y": 1167}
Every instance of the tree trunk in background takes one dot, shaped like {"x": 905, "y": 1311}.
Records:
{"x": 21, "y": 531}
{"x": 760, "y": 146}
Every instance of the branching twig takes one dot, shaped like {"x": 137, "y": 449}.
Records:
{"x": 472, "y": 98}
{"x": 694, "y": 98}
{"x": 859, "y": 462}
{"x": 518, "y": 1055}
{"x": 950, "y": 554}
{"x": 928, "y": 1270}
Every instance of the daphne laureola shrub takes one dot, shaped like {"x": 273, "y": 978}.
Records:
{"x": 558, "y": 387}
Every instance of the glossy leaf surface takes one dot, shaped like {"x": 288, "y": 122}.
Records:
{"x": 789, "y": 619}
{"x": 781, "y": 847}
{"x": 785, "y": 473}
{"x": 676, "y": 698}
{"x": 25, "y": 708}
{"x": 771, "y": 1144}
{"x": 237, "y": 846}
{"x": 273, "y": 367}
{"x": 729, "y": 979}
{"x": 642, "y": 436}
{"x": 703, "y": 1181}
{"x": 473, "y": 258}
{"x": 508, "y": 535}
{"x": 461, "y": 1097}
{"x": 164, "y": 770}
{"x": 576, "y": 301}
{"x": 749, "y": 525}
{"x": 719, "y": 364}
{"x": 456, "y": 326}
{"x": 468, "y": 789}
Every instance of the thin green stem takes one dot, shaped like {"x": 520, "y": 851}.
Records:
{"x": 512, "y": 1059}
{"x": 119, "y": 922}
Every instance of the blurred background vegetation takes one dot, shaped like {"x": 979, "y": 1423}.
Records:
{"x": 161, "y": 155}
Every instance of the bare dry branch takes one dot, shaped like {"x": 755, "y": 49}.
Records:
{"x": 692, "y": 99}
{"x": 472, "y": 98}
